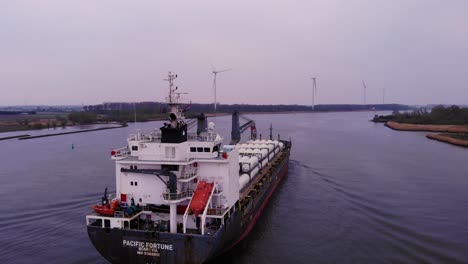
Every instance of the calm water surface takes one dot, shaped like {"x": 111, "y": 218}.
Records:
{"x": 356, "y": 192}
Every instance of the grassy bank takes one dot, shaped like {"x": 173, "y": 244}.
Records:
{"x": 427, "y": 128}
{"x": 454, "y": 139}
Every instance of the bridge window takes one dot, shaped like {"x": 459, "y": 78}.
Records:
{"x": 199, "y": 149}
{"x": 131, "y": 183}
{"x": 216, "y": 148}
{"x": 193, "y": 149}
{"x": 136, "y": 183}
{"x": 206, "y": 149}
{"x": 134, "y": 148}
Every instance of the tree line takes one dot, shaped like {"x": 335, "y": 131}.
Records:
{"x": 438, "y": 115}
{"x": 146, "y": 111}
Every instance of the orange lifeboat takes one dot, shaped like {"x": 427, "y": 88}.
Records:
{"x": 107, "y": 209}
{"x": 200, "y": 197}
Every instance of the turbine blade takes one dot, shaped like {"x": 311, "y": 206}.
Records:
{"x": 225, "y": 70}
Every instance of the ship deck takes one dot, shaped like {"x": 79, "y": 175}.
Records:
{"x": 263, "y": 172}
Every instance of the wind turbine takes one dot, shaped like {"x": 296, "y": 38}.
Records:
{"x": 215, "y": 73}
{"x": 365, "y": 91}
{"x": 314, "y": 91}
{"x": 383, "y": 95}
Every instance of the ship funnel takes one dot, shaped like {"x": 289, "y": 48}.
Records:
{"x": 235, "y": 130}
{"x": 173, "y": 119}
{"x": 202, "y": 123}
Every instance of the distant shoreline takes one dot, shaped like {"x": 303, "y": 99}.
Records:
{"x": 72, "y": 132}
{"x": 26, "y": 136}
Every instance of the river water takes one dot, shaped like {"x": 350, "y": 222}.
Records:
{"x": 356, "y": 192}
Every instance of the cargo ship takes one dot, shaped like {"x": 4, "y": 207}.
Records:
{"x": 185, "y": 197}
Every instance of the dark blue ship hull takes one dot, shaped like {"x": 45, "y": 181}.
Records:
{"x": 138, "y": 246}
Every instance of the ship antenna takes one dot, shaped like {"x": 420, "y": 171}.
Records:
{"x": 170, "y": 78}
{"x": 134, "y": 116}
{"x": 271, "y": 131}
{"x": 215, "y": 73}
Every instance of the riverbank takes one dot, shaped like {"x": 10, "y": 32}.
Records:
{"x": 427, "y": 128}
{"x": 72, "y": 132}
{"x": 448, "y": 138}
{"x": 458, "y": 135}
{"x": 12, "y": 137}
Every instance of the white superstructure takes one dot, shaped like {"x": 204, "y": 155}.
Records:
{"x": 163, "y": 169}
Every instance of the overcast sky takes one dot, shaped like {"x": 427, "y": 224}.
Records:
{"x": 87, "y": 52}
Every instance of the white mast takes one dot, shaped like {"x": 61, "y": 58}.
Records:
{"x": 174, "y": 100}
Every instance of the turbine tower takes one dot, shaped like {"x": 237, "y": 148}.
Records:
{"x": 314, "y": 91}
{"x": 365, "y": 91}
{"x": 215, "y": 73}
{"x": 383, "y": 95}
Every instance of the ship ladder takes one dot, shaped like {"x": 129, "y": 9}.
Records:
{"x": 205, "y": 211}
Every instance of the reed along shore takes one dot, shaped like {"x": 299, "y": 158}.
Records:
{"x": 428, "y": 128}
{"x": 448, "y": 139}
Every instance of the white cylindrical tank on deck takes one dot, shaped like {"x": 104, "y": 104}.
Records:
{"x": 259, "y": 146}
{"x": 281, "y": 145}
{"x": 272, "y": 154}
{"x": 263, "y": 153}
{"x": 249, "y": 151}
{"x": 265, "y": 157}
{"x": 254, "y": 173}
{"x": 245, "y": 167}
{"x": 250, "y": 163}
{"x": 243, "y": 158}
{"x": 253, "y": 160}
{"x": 269, "y": 146}
{"x": 258, "y": 151}
{"x": 244, "y": 151}
{"x": 243, "y": 180}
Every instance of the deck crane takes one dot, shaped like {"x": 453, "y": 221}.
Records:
{"x": 238, "y": 129}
